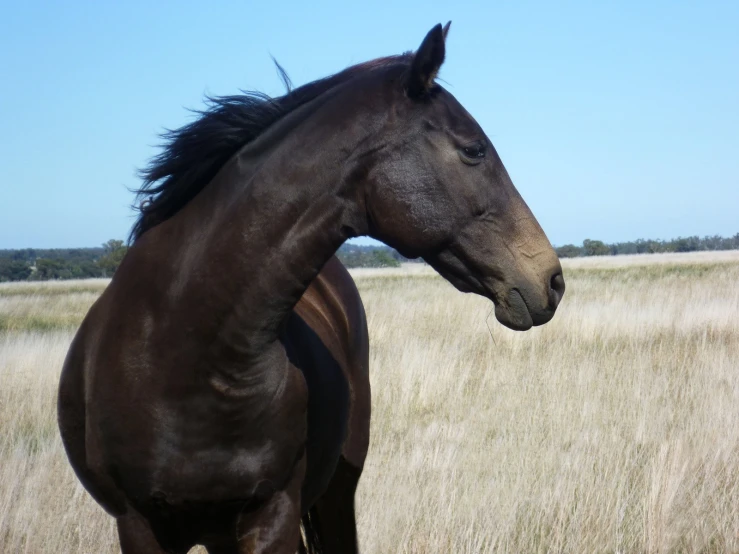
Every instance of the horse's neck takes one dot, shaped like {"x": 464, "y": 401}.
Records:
{"x": 288, "y": 214}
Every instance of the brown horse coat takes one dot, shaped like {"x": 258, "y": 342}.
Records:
{"x": 217, "y": 392}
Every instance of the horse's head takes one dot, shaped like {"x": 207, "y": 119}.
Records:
{"x": 437, "y": 189}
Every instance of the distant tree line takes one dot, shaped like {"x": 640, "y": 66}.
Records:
{"x": 354, "y": 255}
{"x": 641, "y": 246}
{"x": 34, "y": 264}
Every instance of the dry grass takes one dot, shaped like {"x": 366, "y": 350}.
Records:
{"x": 614, "y": 428}
{"x": 47, "y": 305}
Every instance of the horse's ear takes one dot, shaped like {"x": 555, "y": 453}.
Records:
{"x": 427, "y": 61}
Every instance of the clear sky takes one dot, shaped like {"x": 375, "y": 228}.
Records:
{"x": 616, "y": 120}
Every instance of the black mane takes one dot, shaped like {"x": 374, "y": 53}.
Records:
{"x": 192, "y": 155}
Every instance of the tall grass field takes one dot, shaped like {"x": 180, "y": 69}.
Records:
{"x": 614, "y": 428}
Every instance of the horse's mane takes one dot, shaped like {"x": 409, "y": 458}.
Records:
{"x": 192, "y": 155}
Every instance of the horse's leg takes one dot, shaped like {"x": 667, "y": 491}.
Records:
{"x": 136, "y": 536}
{"x": 275, "y": 527}
{"x": 331, "y": 519}
{"x": 330, "y": 522}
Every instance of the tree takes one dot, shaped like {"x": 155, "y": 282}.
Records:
{"x": 687, "y": 244}
{"x": 114, "y": 250}
{"x": 14, "y": 270}
{"x": 383, "y": 258}
{"x": 568, "y": 251}
{"x": 47, "y": 268}
{"x": 595, "y": 248}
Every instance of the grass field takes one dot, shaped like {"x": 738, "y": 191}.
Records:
{"x": 614, "y": 428}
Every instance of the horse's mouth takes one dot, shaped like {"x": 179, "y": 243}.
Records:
{"x": 515, "y": 314}
{"x": 511, "y": 308}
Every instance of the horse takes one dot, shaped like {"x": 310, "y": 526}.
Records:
{"x": 217, "y": 393}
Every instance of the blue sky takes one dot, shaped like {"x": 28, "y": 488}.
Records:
{"x": 616, "y": 120}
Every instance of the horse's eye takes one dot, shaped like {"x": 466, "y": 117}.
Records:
{"x": 474, "y": 152}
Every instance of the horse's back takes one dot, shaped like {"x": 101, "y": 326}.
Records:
{"x": 332, "y": 307}
{"x": 329, "y": 324}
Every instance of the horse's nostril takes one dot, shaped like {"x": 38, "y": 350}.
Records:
{"x": 557, "y": 286}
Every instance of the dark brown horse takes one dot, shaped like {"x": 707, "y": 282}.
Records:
{"x": 217, "y": 393}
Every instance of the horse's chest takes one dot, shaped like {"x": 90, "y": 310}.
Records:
{"x": 207, "y": 445}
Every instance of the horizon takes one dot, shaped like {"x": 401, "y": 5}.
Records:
{"x": 367, "y": 241}
{"x": 615, "y": 122}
